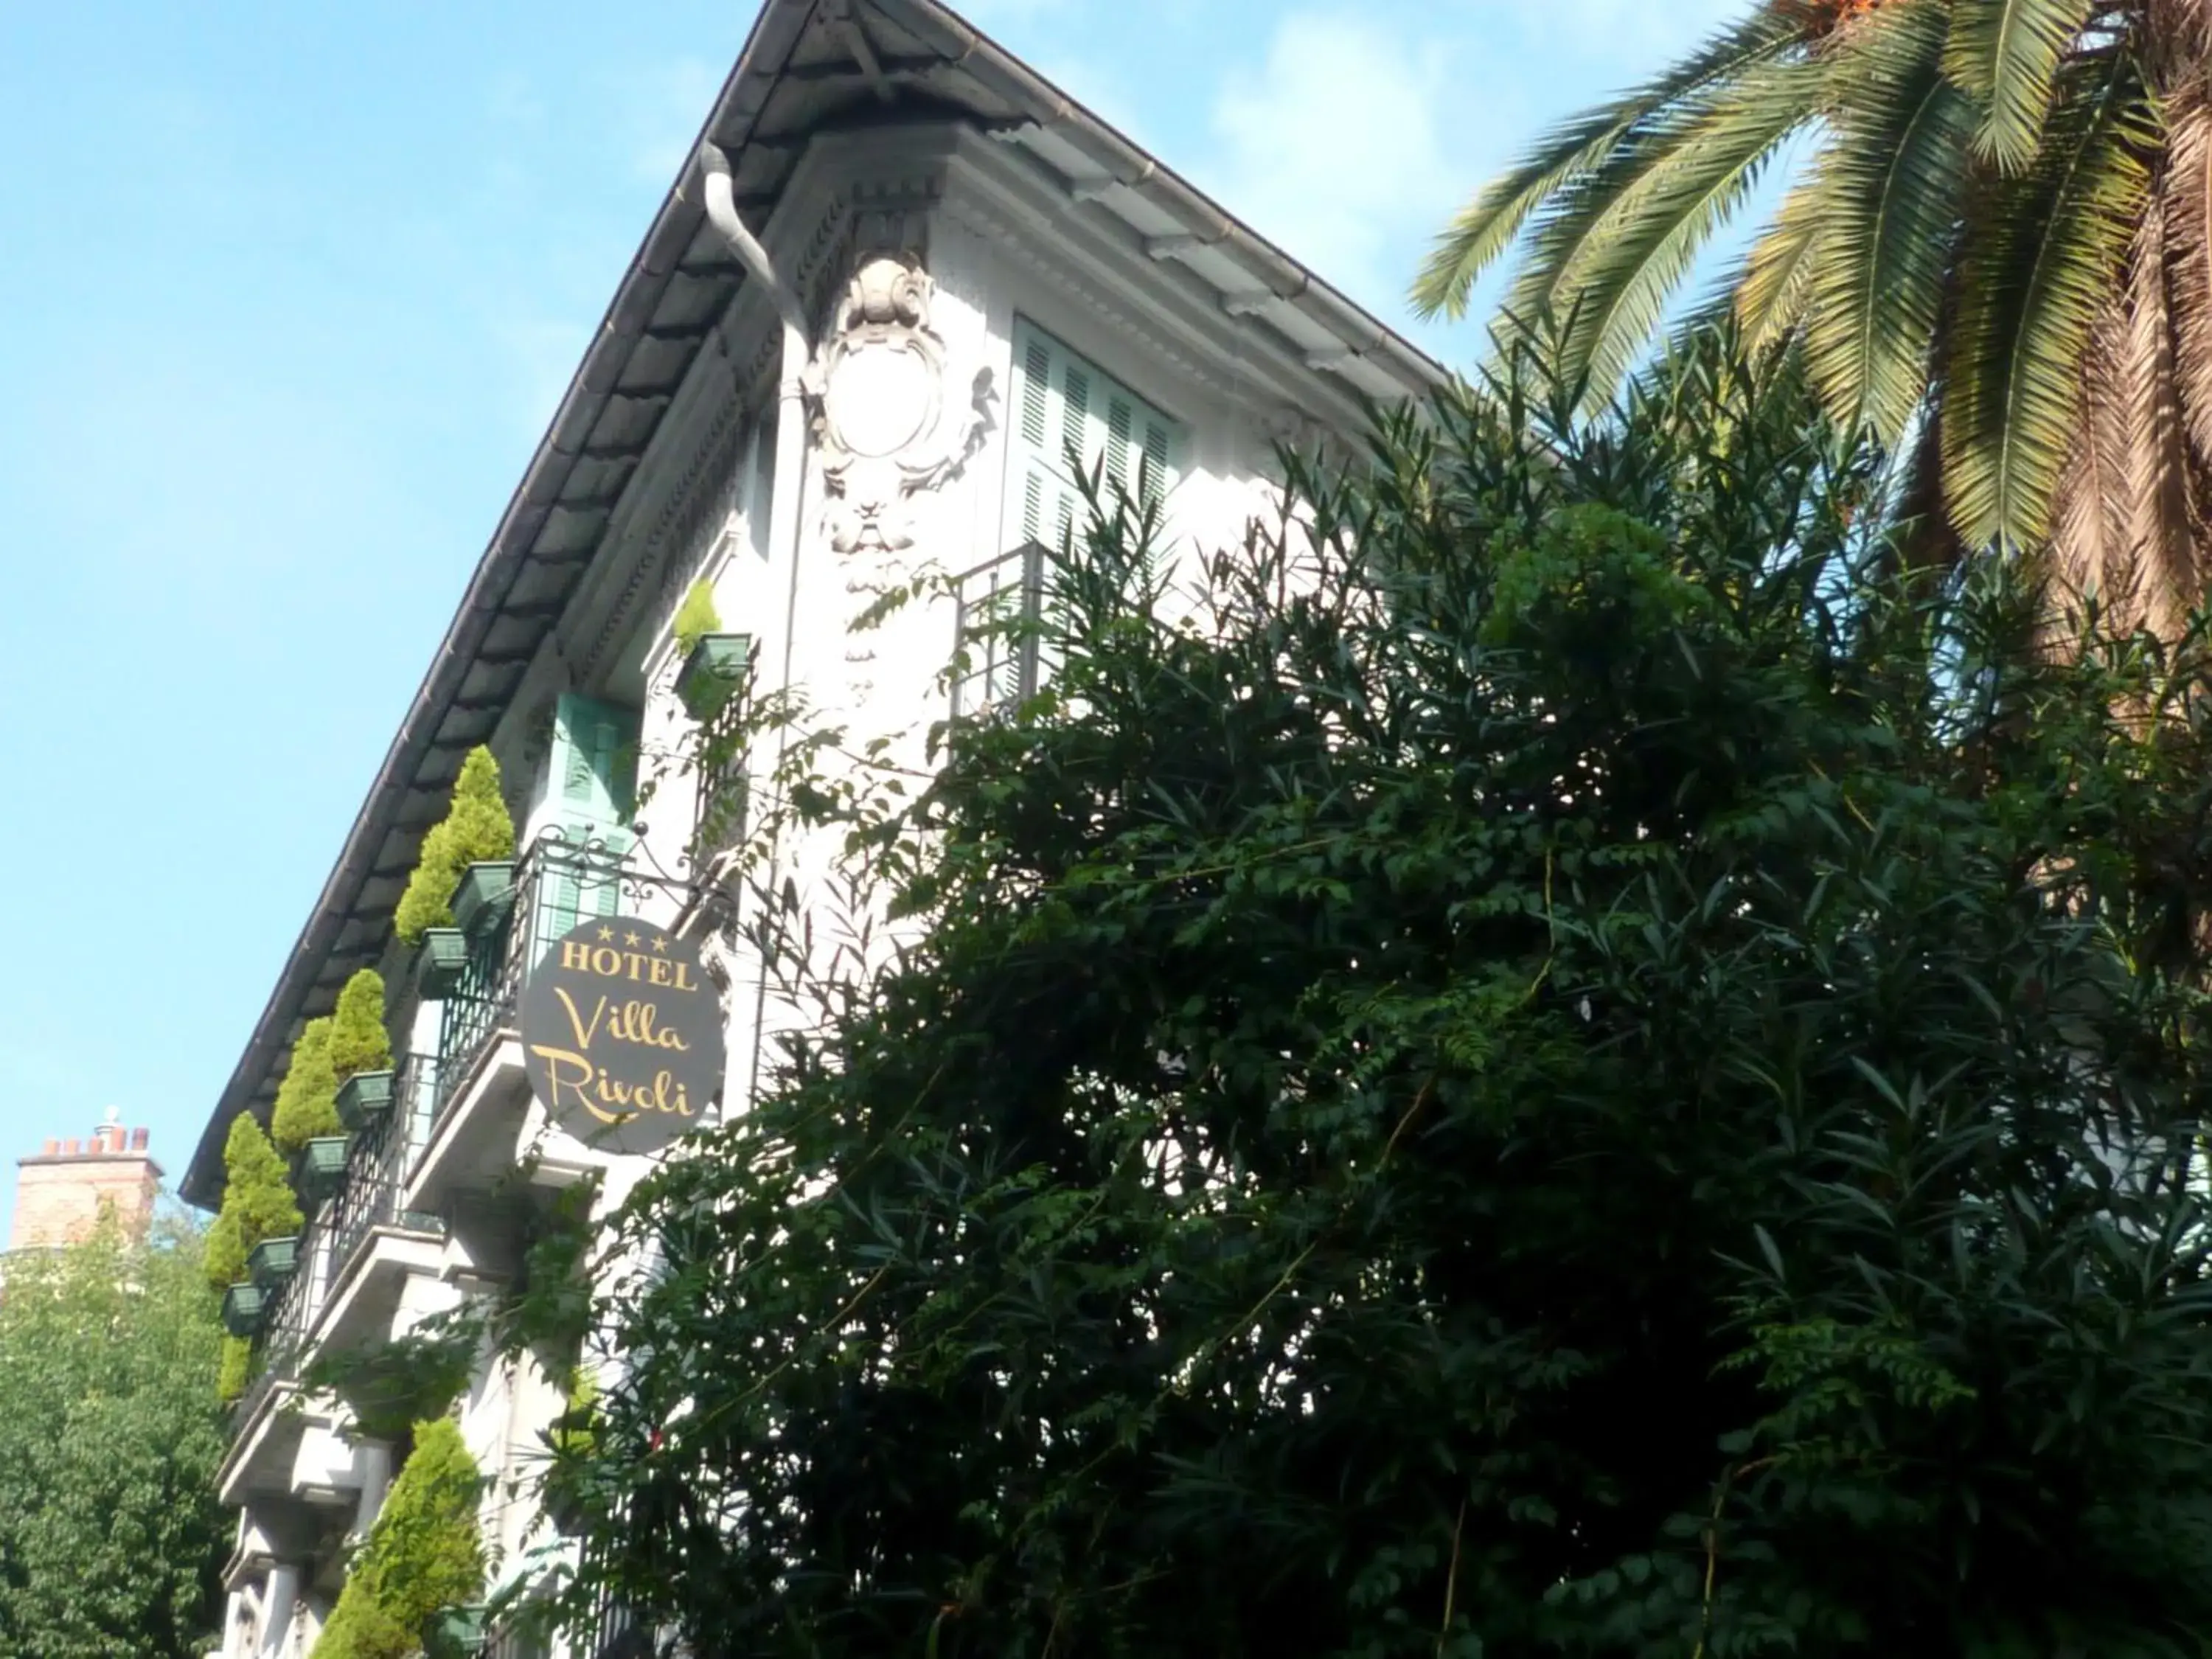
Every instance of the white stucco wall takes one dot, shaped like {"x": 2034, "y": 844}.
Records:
{"x": 993, "y": 255}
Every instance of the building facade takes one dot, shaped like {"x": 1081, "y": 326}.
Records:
{"x": 905, "y": 292}
{"x": 62, "y": 1193}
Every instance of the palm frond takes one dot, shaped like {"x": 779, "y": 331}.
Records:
{"x": 2161, "y": 577}
{"x": 1890, "y": 192}
{"x": 2091, "y": 538}
{"x": 2004, "y": 54}
{"x": 1488, "y": 225}
{"x": 1628, "y": 262}
{"x": 1769, "y": 288}
{"x": 2042, "y": 252}
{"x": 2184, "y": 192}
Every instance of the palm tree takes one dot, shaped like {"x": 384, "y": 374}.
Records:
{"x": 1995, "y": 249}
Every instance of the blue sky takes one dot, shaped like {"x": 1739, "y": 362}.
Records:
{"x": 287, "y": 293}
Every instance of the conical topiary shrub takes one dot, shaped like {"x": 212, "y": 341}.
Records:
{"x": 423, "y": 1554}
{"x": 235, "y": 1370}
{"x": 307, "y": 1098}
{"x": 696, "y": 617}
{"x": 256, "y": 1203}
{"x": 358, "y": 1042}
{"x": 476, "y": 829}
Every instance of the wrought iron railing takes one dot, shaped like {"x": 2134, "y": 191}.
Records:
{"x": 616, "y": 1632}
{"x": 558, "y": 883}
{"x": 515, "y": 1639}
{"x": 288, "y": 1317}
{"x": 366, "y": 1197}
{"x": 613, "y": 1633}
{"x": 997, "y": 609}
{"x": 377, "y": 1163}
{"x": 719, "y": 761}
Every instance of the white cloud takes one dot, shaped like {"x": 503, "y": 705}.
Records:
{"x": 1334, "y": 146}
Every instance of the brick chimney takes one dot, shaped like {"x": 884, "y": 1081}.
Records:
{"x": 60, "y": 1193}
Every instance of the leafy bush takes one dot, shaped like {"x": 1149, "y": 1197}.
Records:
{"x": 256, "y": 1203}
{"x": 109, "y": 1445}
{"x": 696, "y": 617}
{"x": 422, "y": 1554}
{"x": 307, "y": 1098}
{"x": 234, "y": 1368}
{"x": 1571, "y": 1062}
{"x": 476, "y": 829}
{"x": 392, "y": 1385}
{"x": 357, "y": 1041}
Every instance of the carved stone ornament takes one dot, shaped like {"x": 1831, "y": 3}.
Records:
{"x": 884, "y": 427}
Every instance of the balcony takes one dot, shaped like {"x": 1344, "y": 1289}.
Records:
{"x": 372, "y": 1243}
{"x": 352, "y": 1261}
{"x": 998, "y": 609}
{"x": 483, "y": 1120}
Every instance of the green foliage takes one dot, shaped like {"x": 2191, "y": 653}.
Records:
{"x": 573, "y": 1434}
{"x": 696, "y": 617}
{"x": 307, "y": 1098}
{"x": 410, "y": 1378}
{"x": 357, "y": 1041}
{"x": 257, "y": 1202}
{"x": 476, "y": 829}
{"x": 1967, "y": 179}
{"x": 422, "y": 1555}
{"x": 234, "y": 1370}
{"x": 110, "y": 1440}
{"x": 1575, "y": 1063}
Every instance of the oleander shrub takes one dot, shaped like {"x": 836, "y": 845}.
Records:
{"x": 1572, "y": 1058}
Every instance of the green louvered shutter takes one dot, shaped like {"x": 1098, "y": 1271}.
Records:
{"x": 1071, "y": 417}
{"x": 591, "y": 772}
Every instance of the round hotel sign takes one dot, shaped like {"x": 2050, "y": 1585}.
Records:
{"x": 622, "y": 1036}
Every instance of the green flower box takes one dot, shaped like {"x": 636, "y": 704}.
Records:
{"x": 322, "y": 1164}
{"x": 244, "y": 1307}
{"x": 438, "y": 965}
{"x": 482, "y": 894}
{"x": 364, "y": 1098}
{"x": 712, "y": 672}
{"x": 272, "y": 1261}
{"x": 456, "y": 1633}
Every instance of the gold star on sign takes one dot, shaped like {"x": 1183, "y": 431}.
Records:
{"x": 632, "y": 939}
{"x": 607, "y": 936}
{"x": 659, "y": 943}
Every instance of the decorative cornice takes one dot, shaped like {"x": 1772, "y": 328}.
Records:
{"x": 1019, "y": 242}
{"x": 681, "y": 511}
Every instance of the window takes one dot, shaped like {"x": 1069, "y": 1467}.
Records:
{"x": 591, "y": 778}
{"x": 1070, "y": 419}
